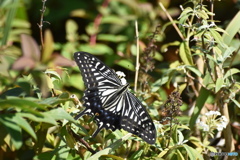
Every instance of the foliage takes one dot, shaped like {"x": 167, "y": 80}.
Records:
{"x": 39, "y": 86}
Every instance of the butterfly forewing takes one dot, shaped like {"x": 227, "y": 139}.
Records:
{"x": 110, "y": 102}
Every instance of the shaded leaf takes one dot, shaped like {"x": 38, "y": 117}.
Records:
{"x": 23, "y": 104}
{"x": 24, "y": 125}
{"x": 13, "y": 129}
{"x": 44, "y": 118}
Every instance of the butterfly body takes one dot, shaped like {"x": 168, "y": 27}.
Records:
{"x": 108, "y": 100}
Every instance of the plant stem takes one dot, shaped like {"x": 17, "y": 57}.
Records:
{"x": 40, "y": 25}
{"x": 173, "y": 23}
{"x": 137, "y": 57}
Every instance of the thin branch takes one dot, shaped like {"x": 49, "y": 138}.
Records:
{"x": 173, "y": 23}
{"x": 40, "y": 25}
{"x": 137, "y": 57}
{"x": 82, "y": 141}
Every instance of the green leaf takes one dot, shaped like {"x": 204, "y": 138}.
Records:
{"x": 97, "y": 49}
{"x": 59, "y": 114}
{"x": 111, "y": 19}
{"x": 76, "y": 81}
{"x": 219, "y": 84}
{"x": 232, "y": 29}
{"x": 53, "y": 73}
{"x": 111, "y": 38}
{"x": 48, "y": 46}
{"x": 186, "y": 11}
{"x": 17, "y": 118}
{"x": 203, "y": 95}
{"x": 13, "y": 129}
{"x": 228, "y": 52}
{"x": 137, "y": 154}
{"x": 194, "y": 70}
{"x": 126, "y": 64}
{"x": 193, "y": 153}
{"x": 8, "y": 22}
{"x": 236, "y": 102}
{"x": 185, "y": 53}
{"x": 23, "y": 104}
{"x": 202, "y": 14}
{"x": 110, "y": 148}
{"x": 44, "y": 118}
{"x": 231, "y": 72}
{"x": 164, "y": 47}
{"x": 217, "y": 37}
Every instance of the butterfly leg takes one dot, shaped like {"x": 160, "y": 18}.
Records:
{"x": 86, "y": 111}
{"x": 100, "y": 126}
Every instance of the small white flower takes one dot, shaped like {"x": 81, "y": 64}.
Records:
{"x": 203, "y": 126}
{"x": 121, "y": 75}
{"x": 224, "y": 119}
{"x": 220, "y": 127}
{"x": 210, "y": 113}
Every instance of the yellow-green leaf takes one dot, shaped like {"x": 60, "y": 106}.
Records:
{"x": 185, "y": 53}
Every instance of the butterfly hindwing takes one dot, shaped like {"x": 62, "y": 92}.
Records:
{"x": 109, "y": 101}
{"x": 136, "y": 120}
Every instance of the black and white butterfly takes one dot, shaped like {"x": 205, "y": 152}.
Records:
{"x": 108, "y": 100}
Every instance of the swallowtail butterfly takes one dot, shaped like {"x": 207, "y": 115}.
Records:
{"x": 108, "y": 100}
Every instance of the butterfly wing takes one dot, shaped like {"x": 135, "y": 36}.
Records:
{"x": 135, "y": 119}
{"x": 101, "y": 84}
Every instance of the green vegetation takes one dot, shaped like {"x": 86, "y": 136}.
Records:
{"x": 187, "y": 76}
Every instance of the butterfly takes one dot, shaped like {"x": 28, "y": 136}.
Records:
{"x": 109, "y": 101}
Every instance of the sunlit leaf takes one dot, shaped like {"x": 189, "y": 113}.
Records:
{"x": 111, "y": 38}
{"x": 126, "y": 64}
{"x": 110, "y": 148}
{"x": 59, "y": 114}
{"x": 219, "y": 84}
{"x": 98, "y": 49}
{"x": 231, "y": 72}
{"x": 194, "y": 70}
{"x": 48, "y": 46}
{"x": 192, "y": 153}
{"x": 232, "y": 29}
{"x": 185, "y": 53}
